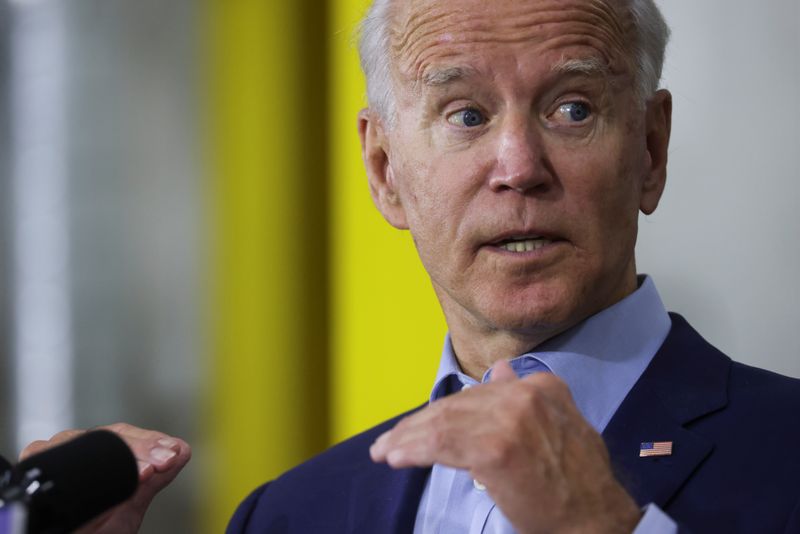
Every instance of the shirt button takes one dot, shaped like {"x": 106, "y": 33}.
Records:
{"x": 478, "y": 485}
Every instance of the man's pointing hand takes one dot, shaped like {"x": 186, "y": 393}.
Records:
{"x": 525, "y": 440}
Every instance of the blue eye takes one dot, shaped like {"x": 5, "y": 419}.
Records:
{"x": 469, "y": 118}
{"x": 576, "y": 111}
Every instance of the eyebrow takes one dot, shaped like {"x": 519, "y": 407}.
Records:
{"x": 589, "y": 66}
{"x": 438, "y": 77}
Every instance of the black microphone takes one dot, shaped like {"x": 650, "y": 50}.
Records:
{"x": 5, "y": 467}
{"x": 5, "y": 473}
{"x": 66, "y": 486}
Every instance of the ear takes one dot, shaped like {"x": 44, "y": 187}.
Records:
{"x": 375, "y": 152}
{"x": 658, "y": 125}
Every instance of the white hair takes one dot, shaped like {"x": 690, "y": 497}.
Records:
{"x": 651, "y": 34}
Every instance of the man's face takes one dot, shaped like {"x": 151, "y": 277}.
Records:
{"x": 519, "y": 157}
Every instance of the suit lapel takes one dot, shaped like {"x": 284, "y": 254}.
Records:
{"x": 687, "y": 379}
{"x": 385, "y": 500}
{"x": 656, "y": 479}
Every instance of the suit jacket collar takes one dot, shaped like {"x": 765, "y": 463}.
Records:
{"x": 687, "y": 379}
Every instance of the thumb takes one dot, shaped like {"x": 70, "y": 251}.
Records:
{"x": 502, "y": 372}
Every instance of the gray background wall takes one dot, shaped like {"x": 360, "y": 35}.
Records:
{"x": 131, "y": 93}
{"x": 724, "y": 246}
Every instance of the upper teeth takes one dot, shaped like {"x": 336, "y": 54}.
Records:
{"x": 525, "y": 245}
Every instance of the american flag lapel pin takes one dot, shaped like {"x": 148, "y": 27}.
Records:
{"x": 655, "y": 448}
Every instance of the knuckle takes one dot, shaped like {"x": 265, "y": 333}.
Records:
{"x": 33, "y": 448}
{"x": 545, "y": 380}
{"x": 444, "y": 414}
{"x": 559, "y": 385}
{"x": 117, "y": 428}
{"x": 65, "y": 435}
{"x": 497, "y": 453}
{"x": 553, "y": 383}
{"x": 402, "y": 424}
{"x": 441, "y": 405}
{"x": 528, "y": 397}
{"x": 519, "y": 422}
{"x": 36, "y": 444}
{"x": 548, "y": 386}
{"x": 437, "y": 439}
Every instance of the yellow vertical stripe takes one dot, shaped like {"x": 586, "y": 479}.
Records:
{"x": 386, "y": 326}
{"x": 322, "y": 320}
{"x": 261, "y": 419}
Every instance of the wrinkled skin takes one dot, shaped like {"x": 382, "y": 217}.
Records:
{"x": 160, "y": 458}
{"x": 528, "y": 170}
{"x": 518, "y": 119}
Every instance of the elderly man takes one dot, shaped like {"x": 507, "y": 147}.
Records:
{"x": 517, "y": 140}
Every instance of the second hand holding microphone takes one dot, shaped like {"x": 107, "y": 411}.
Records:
{"x": 66, "y": 486}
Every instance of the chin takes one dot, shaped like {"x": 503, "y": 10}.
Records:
{"x": 532, "y": 310}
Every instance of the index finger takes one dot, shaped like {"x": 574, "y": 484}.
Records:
{"x": 42, "y": 445}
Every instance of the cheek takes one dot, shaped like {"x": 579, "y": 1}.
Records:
{"x": 432, "y": 195}
{"x": 421, "y": 197}
{"x": 606, "y": 199}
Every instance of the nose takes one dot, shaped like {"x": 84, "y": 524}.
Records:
{"x": 521, "y": 163}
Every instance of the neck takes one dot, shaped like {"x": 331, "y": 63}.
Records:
{"x": 477, "y": 353}
{"x": 479, "y": 344}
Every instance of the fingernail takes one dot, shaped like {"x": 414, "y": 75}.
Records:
{"x": 142, "y": 466}
{"x": 168, "y": 443}
{"x": 162, "y": 455}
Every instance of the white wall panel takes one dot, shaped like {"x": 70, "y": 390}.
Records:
{"x": 723, "y": 246}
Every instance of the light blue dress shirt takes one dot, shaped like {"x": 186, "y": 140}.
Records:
{"x": 600, "y": 360}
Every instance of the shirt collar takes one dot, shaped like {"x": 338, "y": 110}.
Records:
{"x": 600, "y": 359}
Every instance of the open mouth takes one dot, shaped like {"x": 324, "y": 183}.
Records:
{"x": 523, "y": 244}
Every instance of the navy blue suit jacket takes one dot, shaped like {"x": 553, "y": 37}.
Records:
{"x": 735, "y": 466}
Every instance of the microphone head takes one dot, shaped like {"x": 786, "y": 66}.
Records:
{"x": 5, "y": 471}
{"x": 4, "y": 465}
{"x": 79, "y": 480}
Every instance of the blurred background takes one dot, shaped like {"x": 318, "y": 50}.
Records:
{"x": 187, "y": 241}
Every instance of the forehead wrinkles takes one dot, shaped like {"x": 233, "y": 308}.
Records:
{"x": 428, "y": 30}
